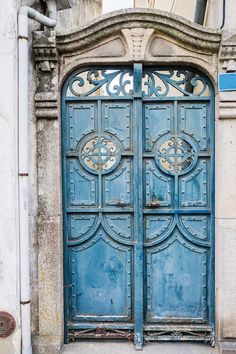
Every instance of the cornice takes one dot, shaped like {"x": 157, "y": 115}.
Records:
{"x": 196, "y": 36}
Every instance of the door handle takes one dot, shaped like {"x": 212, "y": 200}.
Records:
{"x": 121, "y": 203}
{"x": 154, "y": 204}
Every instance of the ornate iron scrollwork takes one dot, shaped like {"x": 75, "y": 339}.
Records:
{"x": 179, "y": 334}
{"x": 99, "y": 154}
{"x": 165, "y": 82}
{"x": 102, "y": 82}
{"x": 176, "y": 154}
{"x": 107, "y": 333}
{"x": 159, "y": 82}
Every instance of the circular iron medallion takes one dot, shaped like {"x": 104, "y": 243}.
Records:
{"x": 99, "y": 153}
{"x": 176, "y": 154}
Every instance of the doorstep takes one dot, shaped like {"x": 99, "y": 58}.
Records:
{"x": 116, "y": 347}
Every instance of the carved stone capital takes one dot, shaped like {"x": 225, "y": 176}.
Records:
{"x": 46, "y": 62}
{"x": 227, "y": 64}
{"x": 228, "y": 54}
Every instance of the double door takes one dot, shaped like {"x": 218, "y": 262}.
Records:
{"x": 138, "y": 205}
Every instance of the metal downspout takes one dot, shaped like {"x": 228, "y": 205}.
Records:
{"x": 23, "y": 141}
{"x": 200, "y": 11}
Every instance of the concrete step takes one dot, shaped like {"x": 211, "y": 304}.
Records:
{"x": 228, "y": 347}
{"x": 116, "y": 347}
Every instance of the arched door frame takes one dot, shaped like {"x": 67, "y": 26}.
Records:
{"x": 150, "y": 37}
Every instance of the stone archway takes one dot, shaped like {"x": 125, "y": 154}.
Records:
{"x": 127, "y": 36}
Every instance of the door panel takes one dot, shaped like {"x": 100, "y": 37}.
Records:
{"x": 99, "y": 177}
{"x": 193, "y": 121}
{"x": 157, "y": 225}
{"x": 138, "y": 182}
{"x": 176, "y": 282}
{"x": 121, "y": 225}
{"x": 82, "y": 122}
{"x": 117, "y": 121}
{"x": 158, "y": 186}
{"x": 158, "y": 121}
{"x": 87, "y": 193}
{"x": 196, "y": 225}
{"x": 194, "y": 186}
{"x": 101, "y": 278}
{"x": 117, "y": 186}
{"x": 176, "y": 263}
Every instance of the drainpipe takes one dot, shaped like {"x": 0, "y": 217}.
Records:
{"x": 199, "y": 17}
{"x": 200, "y": 11}
{"x": 24, "y": 14}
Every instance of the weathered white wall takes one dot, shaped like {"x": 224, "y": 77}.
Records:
{"x": 213, "y": 17}
{"x": 226, "y": 229}
{"x": 9, "y": 261}
{"x": 230, "y": 15}
{"x": 83, "y": 12}
{"x": 226, "y": 199}
{"x": 184, "y": 8}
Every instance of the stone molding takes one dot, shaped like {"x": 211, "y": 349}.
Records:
{"x": 227, "y": 64}
{"x": 227, "y": 105}
{"x": 193, "y": 35}
{"x": 46, "y": 65}
{"x": 228, "y": 54}
{"x": 148, "y": 36}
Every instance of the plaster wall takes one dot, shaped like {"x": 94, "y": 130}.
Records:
{"x": 226, "y": 194}
{"x": 230, "y": 13}
{"x": 226, "y": 228}
{"x": 214, "y": 14}
{"x": 186, "y": 9}
{"x": 83, "y": 12}
{"x": 9, "y": 247}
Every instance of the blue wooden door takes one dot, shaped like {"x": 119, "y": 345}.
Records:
{"x": 138, "y": 167}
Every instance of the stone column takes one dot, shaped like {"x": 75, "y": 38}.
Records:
{"x": 50, "y": 240}
{"x": 226, "y": 204}
{"x": 9, "y": 240}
